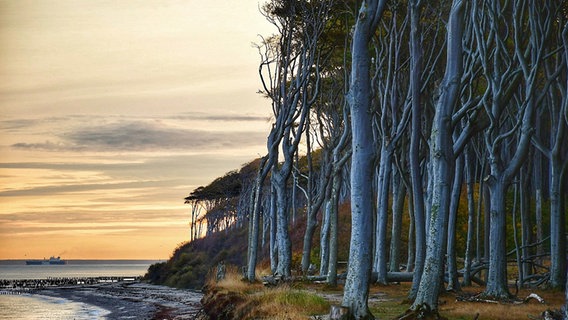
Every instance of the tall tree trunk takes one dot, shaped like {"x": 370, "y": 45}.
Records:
{"x": 273, "y": 242}
{"x": 416, "y": 130}
{"x": 558, "y": 277}
{"x": 356, "y": 288}
{"x": 282, "y": 236}
{"x": 324, "y": 238}
{"x": 442, "y": 160}
{"x": 452, "y": 267}
{"x": 497, "y": 275}
{"x": 333, "y": 228}
{"x": 537, "y": 181}
{"x": 338, "y": 164}
{"x": 526, "y": 225}
{"x": 518, "y": 257}
{"x": 469, "y": 163}
{"x": 557, "y": 228}
{"x": 255, "y": 221}
{"x": 381, "y": 248}
{"x": 399, "y": 194}
{"x": 411, "y": 238}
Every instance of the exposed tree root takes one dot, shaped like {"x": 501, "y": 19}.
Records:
{"x": 423, "y": 312}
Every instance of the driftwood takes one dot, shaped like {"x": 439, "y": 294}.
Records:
{"x": 552, "y": 315}
{"x": 396, "y": 276}
{"x": 480, "y": 298}
{"x": 535, "y": 297}
{"x": 338, "y": 312}
{"x": 341, "y": 276}
{"x": 391, "y": 277}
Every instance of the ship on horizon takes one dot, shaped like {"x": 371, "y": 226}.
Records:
{"x": 46, "y": 262}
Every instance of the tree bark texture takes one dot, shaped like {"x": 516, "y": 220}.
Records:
{"x": 381, "y": 246}
{"x": 415, "y": 170}
{"x": 442, "y": 159}
{"x": 356, "y": 288}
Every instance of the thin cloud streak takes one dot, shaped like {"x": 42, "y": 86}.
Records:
{"x": 143, "y": 136}
{"x": 75, "y": 188}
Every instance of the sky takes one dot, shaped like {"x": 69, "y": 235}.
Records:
{"x": 111, "y": 112}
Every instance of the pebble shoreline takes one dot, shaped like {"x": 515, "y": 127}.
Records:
{"x": 130, "y": 299}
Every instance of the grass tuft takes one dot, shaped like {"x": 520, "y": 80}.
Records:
{"x": 294, "y": 304}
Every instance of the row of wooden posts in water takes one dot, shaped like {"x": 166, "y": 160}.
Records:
{"x": 21, "y": 286}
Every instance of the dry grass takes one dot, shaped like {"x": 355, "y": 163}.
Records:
{"x": 233, "y": 282}
{"x": 395, "y": 305}
{"x": 259, "y": 302}
{"x": 466, "y": 310}
{"x": 301, "y": 300}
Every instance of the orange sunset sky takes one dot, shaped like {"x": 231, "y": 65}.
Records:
{"x": 111, "y": 112}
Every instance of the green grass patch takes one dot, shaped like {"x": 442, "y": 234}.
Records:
{"x": 302, "y": 301}
{"x": 389, "y": 309}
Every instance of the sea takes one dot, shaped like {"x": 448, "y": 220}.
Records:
{"x": 36, "y": 306}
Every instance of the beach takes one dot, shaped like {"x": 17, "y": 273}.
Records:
{"x": 90, "y": 289}
{"x": 133, "y": 300}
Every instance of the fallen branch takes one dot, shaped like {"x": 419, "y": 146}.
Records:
{"x": 535, "y": 297}
{"x": 480, "y": 298}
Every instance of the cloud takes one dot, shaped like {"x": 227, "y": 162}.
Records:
{"x": 46, "y": 146}
{"x": 83, "y": 187}
{"x": 224, "y": 117}
{"x": 16, "y": 124}
{"x": 145, "y": 136}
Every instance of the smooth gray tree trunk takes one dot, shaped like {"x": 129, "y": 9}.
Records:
{"x": 469, "y": 163}
{"x": 497, "y": 275}
{"x": 538, "y": 204}
{"x": 356, "y": 288}
{"x": 399, "y": 194}
{"x": 335, "y": 190}
{"x": 452, "y": 267}
{"x": 315, "y": 199}
{"x": 442, "y": 160}
{"x": 416, "y": 130}
{"x": 255, "y": 221}
{"x": 383, "y": 183}
{"x": 557, "y": 228}
{"x": 324, "y": 238}
{"x": 284, "y": 244}
{"x": 411, "y": 251}
{"x": 273, "y": 243}
{"x": 333, "y": 228}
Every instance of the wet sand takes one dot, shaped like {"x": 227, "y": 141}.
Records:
{"x": 133, "y": 300}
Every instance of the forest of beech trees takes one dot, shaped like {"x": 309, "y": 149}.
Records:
{"x": 441, "y": 122}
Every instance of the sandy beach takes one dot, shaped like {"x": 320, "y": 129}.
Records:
{"x": 133, "y": 300}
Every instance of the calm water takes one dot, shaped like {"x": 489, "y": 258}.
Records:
{"x": 32, "y": 307}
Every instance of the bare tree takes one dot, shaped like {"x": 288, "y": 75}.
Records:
{"x": 415, "y": 170}
{"x": 291, "y": 79}
{"x": 510, "y": 112}
{"x": 360, "y": 258}
{"x": 442, "y": 162}
{"x": 390, "y": 124}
